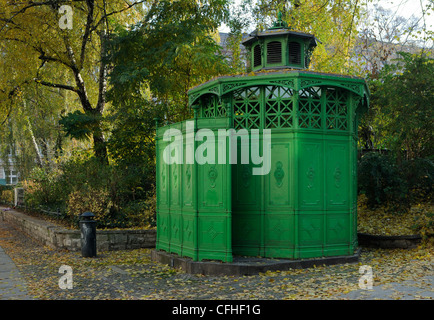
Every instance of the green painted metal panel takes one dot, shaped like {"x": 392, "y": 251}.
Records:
{"x": 194, "y": 205}
{"x": 306, "y": 206}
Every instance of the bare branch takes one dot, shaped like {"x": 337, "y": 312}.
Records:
{"x": 129, "y": 6}
{"x": 87, "y": 31}
{"x": 56, "y": 85}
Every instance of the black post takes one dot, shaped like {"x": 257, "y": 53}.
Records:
{"x": 88, "y": 234}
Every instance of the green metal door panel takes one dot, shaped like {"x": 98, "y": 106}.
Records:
{"x": 338, "y": 175}
{"x": 353, "y": 218}
{"x": 214, "y": 231}
{"x": 338, "y": 250}
{"x": 189, "y": 236}
{"x": 311, "y": 175}
{"x": 338, "y": 228}
{"x": 187, "y": 187}
{"x": 213, "y": 240}
{"x": 175, "y": 232}
{"x": 174, "y": 186}
{"x": 163, "y": 227}
{"x": 162, "y": 178}
{"x": 278, "y": 195}
{"x": 214, "y": 218}
{"x": 279, "y": 234}
{"x": 354, "y": 174}
{"x": 246, "y": 232}
{"x": 310, "y": 234}
{"x": 246, "y": 188}
{"x": 246, "y": 213}
{"x": 212, "y": 188}
{"x": 212, "y": 123}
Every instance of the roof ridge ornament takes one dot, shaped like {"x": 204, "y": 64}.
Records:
{"x": 279, "y": 24}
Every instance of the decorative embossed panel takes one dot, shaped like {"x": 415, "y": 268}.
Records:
{"x": 311, "y": 228}
{"x": 337, "y": 228}
{"x": 278, "y": 181}
{"x": 175, "y": 185}
{"x": 188, "y": 234}
{"x": 162, "y": 179}
{"x": 213, "y": 239}
{"x": 211, "y": 187}
{"x": 246, "y": 187}
{"x": 246, "y": 232}
{"x": 310, "y": 175}
{"x": 163, "y": 227}
{"x": 187, "y": 185}
{"x": 175, "y": 232}
{"x": 338, "y": 175}
{"x": 279, "y": 230}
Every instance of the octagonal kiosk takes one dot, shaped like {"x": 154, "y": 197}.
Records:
{"x": 267, "y": 166}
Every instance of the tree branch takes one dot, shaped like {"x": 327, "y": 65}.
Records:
{"x": 87, "y": 31}
{"x": 56, "y": 85}
{"x": 129, "y": 6}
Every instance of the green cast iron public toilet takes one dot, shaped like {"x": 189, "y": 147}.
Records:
{"x": 306, "y": 205}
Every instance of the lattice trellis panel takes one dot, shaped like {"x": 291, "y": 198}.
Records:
{"x": 336, "y": 109}
{"x": 309, "y": 108}
{"x": 272, "y": 107}
{"x": 247, "y": 108}
{"x": 278, "y": 107}
{"x": 213, "y": 108}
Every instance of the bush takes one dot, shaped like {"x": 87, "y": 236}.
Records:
{"x": 419, "y": 176}
{"x": 96, "y": 201}
{"x": 6, "y": 195}
{"x": 43, "y": 188}
{"x": 141, "y": 213}
{"x": 380, "y": 180}
{"x": 118, "y": 196}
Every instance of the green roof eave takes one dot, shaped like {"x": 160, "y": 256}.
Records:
{"x": 279, "y": 32}
{"x": 295, "y": 79}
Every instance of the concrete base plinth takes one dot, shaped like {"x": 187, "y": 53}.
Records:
{"x": 245, "y": 265}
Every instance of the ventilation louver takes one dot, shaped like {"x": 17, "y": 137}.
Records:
{"x": 274, "y": 52}
{"x": 257, "y": 56}
{"x": 294, "y": 53}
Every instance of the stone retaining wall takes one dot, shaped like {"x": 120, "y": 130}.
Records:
{"x": 60, "y": 238}
{"x": 377, "y": 241}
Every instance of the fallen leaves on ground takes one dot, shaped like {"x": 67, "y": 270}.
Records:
{"x": 384, "y": 221}
{"x": 132, "y": 275}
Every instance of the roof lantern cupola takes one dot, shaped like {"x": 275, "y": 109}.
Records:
{"x": 280, "y": 47}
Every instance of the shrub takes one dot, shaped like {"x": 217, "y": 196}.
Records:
{"x": 43, "y": 188}
{"x": 96, "y": 201}
{"x": 419, "y": 175}
{"x": 6, "y": 195}
{"x": 380, "y": 180}
{"x": 141, "y": 213}
{"x": 424, "y": 223}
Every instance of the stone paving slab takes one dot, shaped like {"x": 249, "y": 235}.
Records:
{"x": 406, "y": 290}
{"x": 12, "y": 287}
